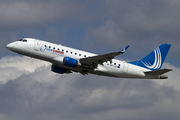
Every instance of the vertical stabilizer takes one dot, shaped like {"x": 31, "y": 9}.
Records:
{"x": 155, "y": 59}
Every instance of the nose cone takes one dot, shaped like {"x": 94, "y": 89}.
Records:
{"x": 9, "y": 46}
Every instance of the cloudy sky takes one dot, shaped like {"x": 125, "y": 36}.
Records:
{"x": 29, "y": 90}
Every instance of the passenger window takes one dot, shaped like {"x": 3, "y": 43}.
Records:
{"x": 58, "y": 48}
{"x": 67, "y": 51}
{"x": 114, "y": 63}
{"x": 71, "y": 52}
{"x": 62, "y": 50}
{"x": 79, "y": 54}
{"x": 84, "y": 55}
{"x": 119, "y": 64}
{"x": 44, "y": 45}
{"x": 49, "y": 46}
{"x": 75, "y": 53}
{"x": 54, "y": 48}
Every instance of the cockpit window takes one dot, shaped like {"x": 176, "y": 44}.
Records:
{"x": 20, "y": 40}
{"x": 24, "y": 40}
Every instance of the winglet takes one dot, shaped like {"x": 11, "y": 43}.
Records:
{"x": 123, "y": 50}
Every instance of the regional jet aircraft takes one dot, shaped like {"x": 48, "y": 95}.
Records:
{"x": 67, "y": 60}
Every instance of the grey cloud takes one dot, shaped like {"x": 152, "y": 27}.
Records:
{"x": 20, "y": 14}
{"x": 5, "y": 37}
{"x": 29, "y": 90}
{"x": 111, "y": 24}
{"x": 145, "y": 15}
{"x": 139, "y": 22}
{"x": 21, "y": 18}
{"x": 14, "y": 67}
{"x": 42, "y": 94}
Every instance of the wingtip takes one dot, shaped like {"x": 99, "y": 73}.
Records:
{"x": 123, "y": 50}
{"x": 127, "y": 47}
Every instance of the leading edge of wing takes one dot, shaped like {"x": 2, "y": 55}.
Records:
{"x": 99, "y": 59}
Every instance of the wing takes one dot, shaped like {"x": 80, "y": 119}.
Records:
{"x": 99, "y": 59}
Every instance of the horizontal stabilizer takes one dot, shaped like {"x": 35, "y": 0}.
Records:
{"x": 158, "y": 72}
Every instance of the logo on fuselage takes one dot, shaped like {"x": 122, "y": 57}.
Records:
{"x": 46, "y": 48}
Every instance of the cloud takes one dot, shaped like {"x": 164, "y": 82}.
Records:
{"x": 108, "y": 33}
{"x": 145, "y": 22}
{"x": 111, "y": 24}
{"x": 30, "y": 90}
{"x": 19, "y": 14}
{"x": 13, "y": 67}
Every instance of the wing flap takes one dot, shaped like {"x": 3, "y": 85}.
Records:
{"x": 158, "y": 72}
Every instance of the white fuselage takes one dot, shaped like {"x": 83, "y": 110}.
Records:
{"x": 55, "y": 54}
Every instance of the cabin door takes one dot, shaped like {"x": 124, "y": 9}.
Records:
{"x": 125, "y": 68}
{"x": 37, "y": 44}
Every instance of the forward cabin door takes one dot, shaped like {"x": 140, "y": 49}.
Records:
{"x": 37, "y": 45}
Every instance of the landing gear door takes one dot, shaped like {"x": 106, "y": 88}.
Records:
{"x": 37, "y": 45}
{"x": 125, "y": 68}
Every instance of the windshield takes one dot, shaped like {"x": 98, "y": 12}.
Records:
{"x": 22, "y": 40}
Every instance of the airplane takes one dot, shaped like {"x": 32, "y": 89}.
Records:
{"x": 67, "y": 60}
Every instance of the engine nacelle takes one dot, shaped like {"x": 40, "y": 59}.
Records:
{"x": 70, "y": 62}
{"x": 58, "y": 69}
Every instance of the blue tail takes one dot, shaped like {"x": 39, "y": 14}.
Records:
{"x": 155, "y": 59}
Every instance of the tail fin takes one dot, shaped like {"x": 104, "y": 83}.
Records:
{"x": 155, "y": 59}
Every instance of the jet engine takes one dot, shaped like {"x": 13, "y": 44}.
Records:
{"x": 70, "y": 62}
{"x": 58, "y": 69}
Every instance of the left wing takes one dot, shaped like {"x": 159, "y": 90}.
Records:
{"x": 99, "y": 59}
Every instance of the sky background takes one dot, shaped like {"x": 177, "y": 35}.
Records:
{"x": 29, "y": 90}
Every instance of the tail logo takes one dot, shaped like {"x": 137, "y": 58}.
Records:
{"x": 157, "y": 61}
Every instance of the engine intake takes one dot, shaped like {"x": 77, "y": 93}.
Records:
{"x": 70, "y": 62}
